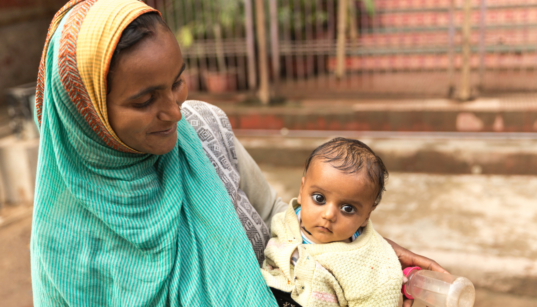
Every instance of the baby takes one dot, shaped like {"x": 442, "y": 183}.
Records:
{"x": 324, "y": 250}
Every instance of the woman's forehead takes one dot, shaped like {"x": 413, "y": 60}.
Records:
{"x": 154, "y": 62}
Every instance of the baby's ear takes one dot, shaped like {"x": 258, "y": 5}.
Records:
{"x": 299, "y": 198}
{"x": 367, "y": 218}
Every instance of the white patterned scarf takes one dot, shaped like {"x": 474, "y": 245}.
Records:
{"x": 217, "y": 138}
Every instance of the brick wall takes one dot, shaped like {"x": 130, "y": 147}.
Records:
{"x": 23, "y": 28}
{"x": 9, "y": 4}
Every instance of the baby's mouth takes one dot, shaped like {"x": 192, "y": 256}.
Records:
{"x": 323, "y": 229}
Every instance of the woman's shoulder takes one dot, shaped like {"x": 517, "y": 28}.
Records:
{"x": 217, "y": 139}
{"x": 205, "y": 118}
{"x": 203, "y": 108}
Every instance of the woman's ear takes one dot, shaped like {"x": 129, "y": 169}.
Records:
{"x": 299, "y": 199}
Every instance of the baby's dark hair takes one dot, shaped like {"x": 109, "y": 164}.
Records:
{"x": 350, "y": 156}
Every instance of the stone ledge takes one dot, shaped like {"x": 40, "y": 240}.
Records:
{"x": 426, "y": 155}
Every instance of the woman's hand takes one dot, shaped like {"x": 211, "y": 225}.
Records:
{"x": 408, "y": 258}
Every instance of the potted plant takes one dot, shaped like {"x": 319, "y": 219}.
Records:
{"x": 225, "y": 15}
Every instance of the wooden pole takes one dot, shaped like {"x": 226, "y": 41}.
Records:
{"x": 263, "y": 93}
{"x": 451, "y": 53}
{"x": 465, "y": 87}
{"x": 482, "y": 16}
{"x": 353, "y": 31}
{"x": 250, "y": 43}
{"x": 340, "y": 51}
{"x": 275, "y": 40}
{"x": 220, "y": 57}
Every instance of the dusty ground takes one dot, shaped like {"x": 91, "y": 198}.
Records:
{"x": 15, "y": 281}
{"x": 410, "y": 198}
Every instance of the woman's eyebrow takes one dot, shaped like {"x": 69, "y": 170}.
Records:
{"x": 181, "y": 71}
{"x": 154, "y": 88}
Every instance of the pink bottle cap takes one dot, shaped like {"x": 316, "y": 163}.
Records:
{"x": 406, "y": 272}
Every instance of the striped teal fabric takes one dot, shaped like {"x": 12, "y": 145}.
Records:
{"x": 120, "y": 229}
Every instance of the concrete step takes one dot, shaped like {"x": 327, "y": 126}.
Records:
{"x": 404, "y": 84}
{"x": 406, "y": 152}
{"x": 433, "y": 115}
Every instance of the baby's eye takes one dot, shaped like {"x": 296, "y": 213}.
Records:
{"x": 348, "y": 209}
{"x": 318, "y": 198}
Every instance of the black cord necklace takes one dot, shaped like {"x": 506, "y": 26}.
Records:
{"x": 306, "y": 231}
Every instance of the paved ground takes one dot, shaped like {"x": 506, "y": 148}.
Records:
{"x": 478, "y": 226}
{"x": 15, "y": 281}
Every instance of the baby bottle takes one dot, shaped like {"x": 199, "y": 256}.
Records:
{"x": 438, "y": 289}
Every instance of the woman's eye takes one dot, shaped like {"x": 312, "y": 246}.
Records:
{"x": 177, "y": 84}
{"x": 348, "y": 209}
{"x": 318, "y": 198}
{"x": 145, "y": 104}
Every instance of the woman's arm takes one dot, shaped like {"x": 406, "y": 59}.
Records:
{"x": 262, "y": 196}
{"x": 408, "y": 258}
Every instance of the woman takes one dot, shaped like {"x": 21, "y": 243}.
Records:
{"x": 134, "y": 205}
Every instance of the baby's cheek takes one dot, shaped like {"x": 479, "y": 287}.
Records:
{"x": 306, "y": 221}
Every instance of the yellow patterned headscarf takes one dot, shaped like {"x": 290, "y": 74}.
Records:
{"x": 87, "y": 45}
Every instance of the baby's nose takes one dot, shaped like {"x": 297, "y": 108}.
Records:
{"x": 330, "y": 213}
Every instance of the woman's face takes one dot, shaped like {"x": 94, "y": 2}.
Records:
{"x": 146, "y": 93}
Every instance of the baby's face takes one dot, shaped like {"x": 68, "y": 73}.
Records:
{"x": 334, "y": 204}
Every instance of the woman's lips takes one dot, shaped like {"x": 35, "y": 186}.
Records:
{"x": 165, "y": 132}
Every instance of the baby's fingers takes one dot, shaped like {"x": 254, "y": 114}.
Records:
{"x": 408, "y": 303}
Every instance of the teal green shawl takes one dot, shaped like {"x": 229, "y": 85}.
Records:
{"x": 124, "y": 229}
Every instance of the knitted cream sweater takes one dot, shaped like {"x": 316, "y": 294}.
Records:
{"x": 365, "y": 272}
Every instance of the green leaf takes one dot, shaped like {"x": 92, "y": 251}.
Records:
{"x": 185, "y": 36}
{"x": 369, "y": 6}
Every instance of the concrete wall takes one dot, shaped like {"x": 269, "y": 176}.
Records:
{"x": 23, "y": 28}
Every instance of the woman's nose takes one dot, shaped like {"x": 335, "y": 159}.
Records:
{"x": 170, "y": 110}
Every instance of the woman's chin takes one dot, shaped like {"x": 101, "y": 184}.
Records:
{"x": 164, "y": 146}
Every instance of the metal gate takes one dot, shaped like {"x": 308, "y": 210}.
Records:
{"x": 437, "y": 48}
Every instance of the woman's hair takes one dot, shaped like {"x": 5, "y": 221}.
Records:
{"x": 137, "y": 30}
{"x": 350, "y": 156}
